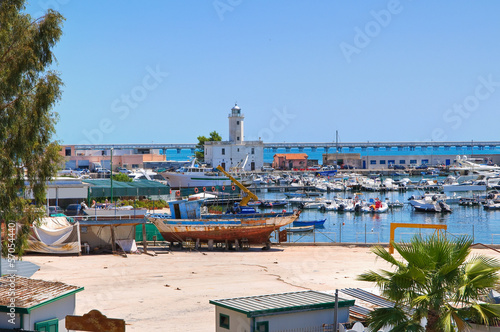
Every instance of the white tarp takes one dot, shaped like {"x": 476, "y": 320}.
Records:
{"x": 127, "y": 245}
{"x": 55, "y": 235}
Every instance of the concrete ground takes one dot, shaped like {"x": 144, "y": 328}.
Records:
{"x": 171, "y": 291}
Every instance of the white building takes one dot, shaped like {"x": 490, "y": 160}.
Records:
{"x": 236, "y": 152}
{"x": 303, "y": 310}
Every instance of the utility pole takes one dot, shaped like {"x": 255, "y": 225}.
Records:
{"x": 111, "y": 175}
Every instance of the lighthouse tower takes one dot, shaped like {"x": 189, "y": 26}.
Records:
{"x": 236, "y": 125}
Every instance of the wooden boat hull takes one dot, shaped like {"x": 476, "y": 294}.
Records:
{"x": 255, "y": 231}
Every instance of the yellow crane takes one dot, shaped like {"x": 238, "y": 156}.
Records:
{"x": 247, "y": 194}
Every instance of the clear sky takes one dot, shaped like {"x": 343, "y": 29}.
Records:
{"x": 168, "y": 71}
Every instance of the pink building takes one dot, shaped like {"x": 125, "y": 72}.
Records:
{"x": 290, "y": 161}
{"x": 129, "y": 158}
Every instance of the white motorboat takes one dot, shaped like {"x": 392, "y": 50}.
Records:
{"x": 491, "y": 205}
{"x": 430, "y": 203}
{"x": 196, "y": 176}
{"x": 377, "y": 207}
{"x": 112, "y": 210}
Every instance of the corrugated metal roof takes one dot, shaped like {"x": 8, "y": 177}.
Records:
{"x": 254, "y": 306}
{"x": 102, "y": 188}
{"x": 31, "y": 293}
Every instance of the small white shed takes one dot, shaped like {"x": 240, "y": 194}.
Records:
{"x": 35, "y": 305}
{"x": 279, "y": 312}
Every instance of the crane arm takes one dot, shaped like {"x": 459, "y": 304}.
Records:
{"x": 248, "y": 194}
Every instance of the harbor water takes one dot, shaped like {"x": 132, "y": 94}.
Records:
{"x": 358, "y": 227}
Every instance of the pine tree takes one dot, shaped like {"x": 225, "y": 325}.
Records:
{"x": 28, "y": 91}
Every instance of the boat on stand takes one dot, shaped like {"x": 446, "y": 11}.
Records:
{"x": 185, "y": 223}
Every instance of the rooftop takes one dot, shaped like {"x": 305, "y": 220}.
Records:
{"x": 102, "y": 188}
{"x": 263, "y": 305}
{"x": 32, "y": 293}
{"x": 292, "y": 155}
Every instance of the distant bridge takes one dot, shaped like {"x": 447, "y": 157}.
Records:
{"x": 327, "y": 146}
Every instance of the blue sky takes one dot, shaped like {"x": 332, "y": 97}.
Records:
{"x": 169, "y": 71}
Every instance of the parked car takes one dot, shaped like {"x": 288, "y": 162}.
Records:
{"x": 103, "y": 171}
{"x": 55, "y": 210}
{"x": 423, "y": 166}
{"x": 267, "y": 169}
{"x": 123, "y": 170}
{"x": 74, "y": 210}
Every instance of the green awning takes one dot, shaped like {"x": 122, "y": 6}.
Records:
{"x": 102, "y": 188}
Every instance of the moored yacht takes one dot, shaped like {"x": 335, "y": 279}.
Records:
{"x": 196, "y": 176}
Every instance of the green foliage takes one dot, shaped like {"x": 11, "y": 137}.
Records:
{"x": 437, "y": 280}
{"x": 122, "y": 177}
{"x": 146, "y": 203}
{"x": 200, "y": 147}
{"x": 28, "y": 92}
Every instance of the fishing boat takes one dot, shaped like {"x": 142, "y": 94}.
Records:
{"x": 309, "y": 222}
{"x": 186, "y": 223}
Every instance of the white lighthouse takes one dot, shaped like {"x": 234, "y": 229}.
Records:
{"x": 235, "y": 154}
{"x": 236, "y": 125}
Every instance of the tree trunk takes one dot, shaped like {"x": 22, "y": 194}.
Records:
{"x": 432, "y": 321}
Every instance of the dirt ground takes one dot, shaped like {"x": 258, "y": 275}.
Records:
{"x": 171, "y": 291}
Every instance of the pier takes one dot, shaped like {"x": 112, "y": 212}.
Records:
{"x": 326, "y": 146}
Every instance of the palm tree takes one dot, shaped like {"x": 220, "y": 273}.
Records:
{"x": 438, "y": 281}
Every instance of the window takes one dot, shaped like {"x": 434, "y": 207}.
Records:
{"x": 51, "y": 325}
{"x": 238, "y": 149}
{"x": 237, "y": 123}
{"x": 262, "y": 326}
{"x": 402, "y": 162}
{"x": 373, "y": 162}
{"x": 253, "y": 150}
{"x": 237, "y": 138}
{"x": 223, "y": 151}
{"x": 382, "y": 162}
{"x": 68, "y": 152}
{"x": 413, "y": 161}
{"x": 425, "y": 161}
{"x": 391, "y": 162}
{"x": 224, "y": 321}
